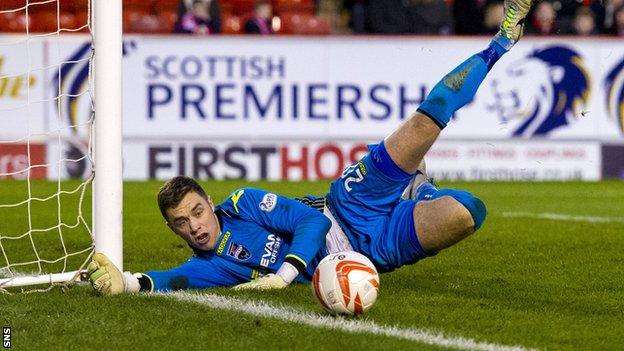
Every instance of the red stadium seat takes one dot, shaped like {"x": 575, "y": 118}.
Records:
{"x": 293, "y": 3}
{"x": 288, "y": 21}
{"x": 304, "y": 24}
{"x": 65, "y": 6}
{"x": 148, "y": 24}
{"x": 232, "y": 25}
{"x": 73, "y": 6}
{"x": 11, "y": 5}
{"x": 226, "y": 8}
{"x": 168, "y": 19}
{"x": 47, "y": 22}
{"x": 82, "y": 19}
{"x": 13, "y": 22}
{"x": 240, "y": 7}
{"x": 43, "y": 7}
{"x": 133, "y": 16}
{"x": 68, "y": 21}
{"x": 294, "y": 6}
{"x": 138, "y": 5}
{"x": 166, "y": 6}
{"x": 317, "y": 26}
{"x": 80, "y": 5}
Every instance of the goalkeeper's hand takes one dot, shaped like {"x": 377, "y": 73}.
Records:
{"x": 269, "y": 281}
{"x": 108, "y": 280}
{"x": 284, "y": 276}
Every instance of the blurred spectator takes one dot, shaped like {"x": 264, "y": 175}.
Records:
{"x": 494, "y": 13}
{"x": 566, "y": 14}
{"x": 409, "y": 16}
{"x": 357, "y": 14}
{"x": 566, "y": 10}
{"x": 197, "y": 20}
{"x": 604, "y": 12}
{"x": 430, "y": 17}
{"x": 469, "y": 15}
{"x": 387, "y": 16}
{"x": 543, "y": 19}
{"x": 260, "y": 23}
{"x": 584, "y": 23}
{"x": 214, "y": 11}
{"x": 618, "y": 25}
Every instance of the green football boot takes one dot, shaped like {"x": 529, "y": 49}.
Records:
{"x": 512, "y": 28}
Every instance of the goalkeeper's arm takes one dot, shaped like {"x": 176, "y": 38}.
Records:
{"x": 281, "y": 279}
{"x": 306, "y": 236}
{"x": 283, "y": 215}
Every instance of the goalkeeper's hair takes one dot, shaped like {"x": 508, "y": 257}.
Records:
{"x": 170, "y": 194}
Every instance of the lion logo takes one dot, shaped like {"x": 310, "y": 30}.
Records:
{"x": 614, "y": 85}
{"x": 74, "y": 106}
{"x": 544, "y": 91}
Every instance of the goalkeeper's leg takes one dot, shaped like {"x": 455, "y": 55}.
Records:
{"x": 409, "y": 143}
{"x": 448, "y": 216}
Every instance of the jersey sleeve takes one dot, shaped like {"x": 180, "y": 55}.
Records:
{"x": 287, "y": 217}
{"x": 197, "y": 273}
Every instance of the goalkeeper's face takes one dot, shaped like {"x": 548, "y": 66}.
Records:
{"x": 194, "y": 220}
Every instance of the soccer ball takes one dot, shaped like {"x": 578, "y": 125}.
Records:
{"x": 345, "y": 283}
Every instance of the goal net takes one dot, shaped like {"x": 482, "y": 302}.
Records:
{"x": 56, "y": 205}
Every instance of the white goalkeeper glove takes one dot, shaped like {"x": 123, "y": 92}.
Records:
{"x": 108, "y": 280}
{"x": 284, "y": 276}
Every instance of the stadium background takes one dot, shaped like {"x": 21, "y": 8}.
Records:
{"x": 288, "y": 107}
{"x": 545, "y": 271}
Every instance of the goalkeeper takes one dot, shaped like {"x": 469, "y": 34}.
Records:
{"x": 260, "y": 240}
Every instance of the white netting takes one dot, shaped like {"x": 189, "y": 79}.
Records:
{"x": 46, "y": 119}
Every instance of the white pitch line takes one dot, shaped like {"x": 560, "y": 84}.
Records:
{"x": 266, "y": 310}
{"x": 564, "y": 217}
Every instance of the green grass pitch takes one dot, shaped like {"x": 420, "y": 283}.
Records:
{"x": 533, "y": 282}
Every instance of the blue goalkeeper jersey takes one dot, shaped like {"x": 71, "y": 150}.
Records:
{"x": 259, "y": 230}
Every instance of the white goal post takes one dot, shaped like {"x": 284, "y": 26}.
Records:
{"x": 105, "y": 70}
{"x": 108, "y": 186}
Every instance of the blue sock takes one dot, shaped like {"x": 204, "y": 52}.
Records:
{"x": 492, "y": 53}
{"x": 474, "y": 205}
{"x": 459, "y": 87}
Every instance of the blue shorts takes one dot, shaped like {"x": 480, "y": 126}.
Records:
{"x": 366, "y": 202}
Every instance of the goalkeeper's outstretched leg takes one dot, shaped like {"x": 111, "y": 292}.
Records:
{"x": 450, "y": 216}
{"x": 409, "y": 143}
